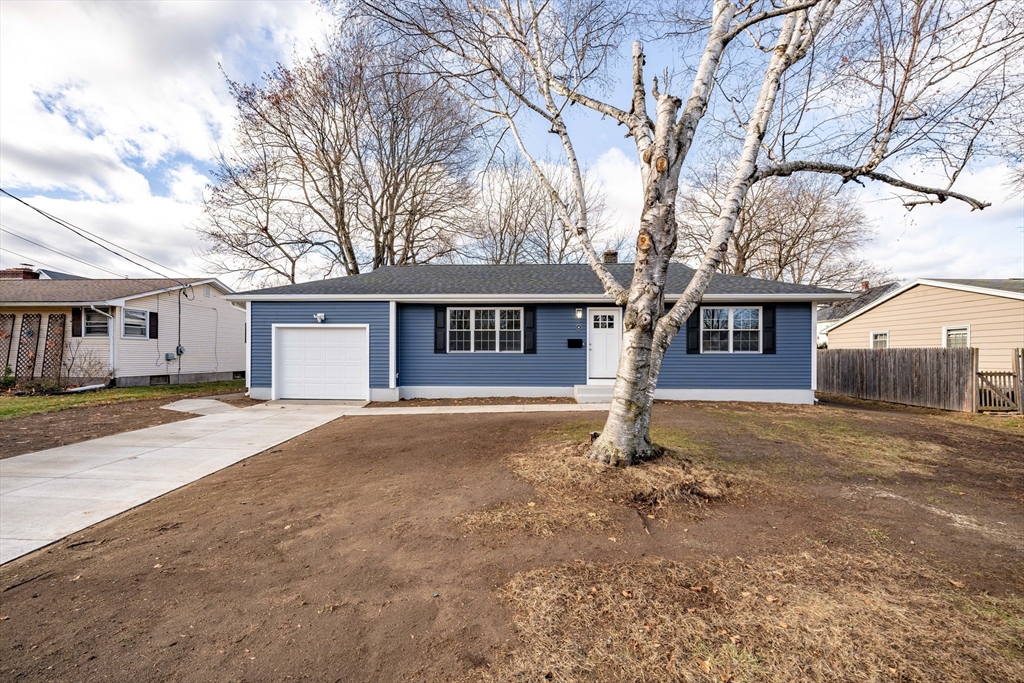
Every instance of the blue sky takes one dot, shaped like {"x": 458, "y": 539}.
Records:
{"x": 111, "y": 115}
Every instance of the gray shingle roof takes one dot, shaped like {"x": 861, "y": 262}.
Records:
{"x": 57, "y": 275}
{"x": 80, "y": 291}
{"x": 841, "y": 309}
{"x": 1007, "y": 285}
{"x": 546, "y": 279}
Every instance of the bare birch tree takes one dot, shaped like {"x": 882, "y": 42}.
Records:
{"x": 855, "y": 91}
{"x": 799, "y": 229}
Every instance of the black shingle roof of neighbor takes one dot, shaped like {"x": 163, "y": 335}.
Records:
{"x": 1007, "y": 285}
{"x": 546, "y": 279}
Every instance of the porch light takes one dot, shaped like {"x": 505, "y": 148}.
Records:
{"x": 579, "y": 314}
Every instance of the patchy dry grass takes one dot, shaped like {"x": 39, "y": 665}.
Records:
{"x": 828, "y": 617}
{"x": 850, "y": 445}
{"x": 574, "y": 492}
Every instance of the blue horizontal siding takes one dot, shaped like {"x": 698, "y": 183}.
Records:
{"x": 788, "y": 368}
{"x": 554, "y": 364}
{"x": 267, "y": 313}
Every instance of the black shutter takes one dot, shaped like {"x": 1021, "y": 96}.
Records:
{"x": 440, "y": 329}
{"x": 529, "y": 329}
{"x": 76, "y": 322}
{"x": 693, "y": 332}
{"x": 153, "y": 325}
{"x": 768, "y": 335}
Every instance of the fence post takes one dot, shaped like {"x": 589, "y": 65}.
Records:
{"x": 1018, "y": 369}
{"x": 975, "y": 388}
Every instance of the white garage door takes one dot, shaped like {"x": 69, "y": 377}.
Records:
{"x": 321, "y": 362}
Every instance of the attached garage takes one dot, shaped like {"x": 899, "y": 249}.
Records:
{"x": 321, "y": 362}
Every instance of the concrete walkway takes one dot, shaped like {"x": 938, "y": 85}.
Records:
{"x": 47, "y": 495}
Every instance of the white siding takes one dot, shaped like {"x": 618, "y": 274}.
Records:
{"x": 212, "y": 333}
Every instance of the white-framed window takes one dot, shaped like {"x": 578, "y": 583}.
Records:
{"x": 481, "y": 330}
{"x": 880, "y": 340}
{"x": 135, "y": 323}
{"x": 726, "y": 329}
{"x": 956, "y": 337}
{"x": 94, "y": 323}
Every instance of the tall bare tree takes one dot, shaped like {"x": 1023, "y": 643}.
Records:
{"x": 853, "y": 91}
{"x": 798, "y": 229}
{"x": 346, "y": 160}
{"x": 516, "y": 222}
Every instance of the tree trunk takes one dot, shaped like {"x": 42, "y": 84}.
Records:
{"x": 626, "y": 438}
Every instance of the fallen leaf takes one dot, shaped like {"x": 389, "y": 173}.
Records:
{"x": 532, "y": 504}
{"x": 612, "y": 539}
{"x": 771, "y": 598}
{"x": 956, "y": 584}
{"x": 157, "y": 566}
{"x": 725, "y": 677}
{"x": 287, "y": 527}
{"x": 77, "y": 578}
{"x": 655, "y": 645}
{"x": 735, "y": 639}
{"x": 650, "y": 516}
{"x": 4, "y": 618}
{"x": 592, "y": 514}
{"x": 745, "y": 594}
{"x": 627, "y": 594}
{"x": 691, "y": 609}
{"x": 783, "y": 624}
{"x": 706, "y": 665}
{"x": 697, "y": 589}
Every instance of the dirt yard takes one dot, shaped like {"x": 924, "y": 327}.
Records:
{"x": 29, "y": 433}
{"x": 849, "y": 543}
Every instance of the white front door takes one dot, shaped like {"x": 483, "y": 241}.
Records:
{"x": 321, "y": 362}
{"x": 604, "y": 339}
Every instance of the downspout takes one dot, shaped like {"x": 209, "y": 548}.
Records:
{"x": 112, "y": 331}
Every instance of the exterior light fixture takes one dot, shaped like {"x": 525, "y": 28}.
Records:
{"x": 319, "y": 317}
{"x": 579, "y": 314}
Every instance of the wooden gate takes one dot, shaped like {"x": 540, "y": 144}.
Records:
{"x": 1002, "y": 391}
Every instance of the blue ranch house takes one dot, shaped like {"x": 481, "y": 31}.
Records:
{"x": 456, "y": 331}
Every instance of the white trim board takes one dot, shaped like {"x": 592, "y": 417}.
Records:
{"x": 795, "y": 396}
{"x": 273, "y": 351}
{"x": 482, "y": 392}
{"x": 533, "y": 298}
{"x": 947, "y": 328}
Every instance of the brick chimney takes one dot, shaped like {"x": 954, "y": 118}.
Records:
{"x": 610, "y": 256}
{"x": 22, "y": 272}
{"x": 865, "y": 285}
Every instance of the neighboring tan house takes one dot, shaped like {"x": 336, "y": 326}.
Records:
{"x": 831, "y": 313}
{"x": 984, "y": 314}
{"x": 127, "y": 331}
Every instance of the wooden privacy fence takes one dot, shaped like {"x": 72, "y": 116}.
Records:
{"x": 934, "y": 378}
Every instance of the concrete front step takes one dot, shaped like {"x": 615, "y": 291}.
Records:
{"x": 590, "y": 393}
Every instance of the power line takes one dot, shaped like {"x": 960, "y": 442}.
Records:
{"x": 86, "y": 235}
{"x": 9, "y": 231}
{"x": 35, "y": 261}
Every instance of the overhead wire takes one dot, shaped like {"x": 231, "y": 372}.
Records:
{"x": 14, "y": 233}
{"x": 95, "y": 239}
{"x": 37, "y": 261}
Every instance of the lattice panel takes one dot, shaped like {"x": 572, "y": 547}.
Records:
{"x": 6, "y": 336}
{"x": 28, "y": 342}
{"x": 53, "y": 351}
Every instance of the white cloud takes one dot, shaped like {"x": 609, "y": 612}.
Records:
{"x": 619, "y": 178}
{"x": 122, "y": 106}
{"x": 950, "y": 240}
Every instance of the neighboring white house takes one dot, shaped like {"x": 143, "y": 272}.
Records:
{"x": 131, "y": 331}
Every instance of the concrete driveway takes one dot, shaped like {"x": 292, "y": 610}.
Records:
{"x": 45, "y": 496}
